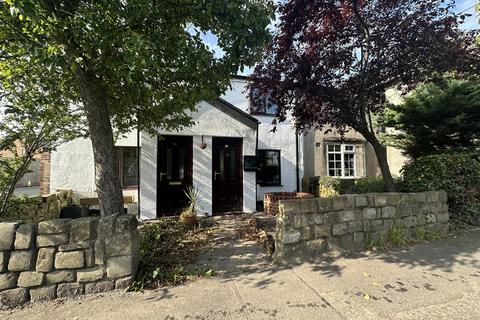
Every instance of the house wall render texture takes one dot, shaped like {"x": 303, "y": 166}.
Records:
{"x": 66, "y": 257}
{"x": 307, "y": 227}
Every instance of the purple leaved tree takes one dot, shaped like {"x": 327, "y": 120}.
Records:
{"x": 331, "y": 61}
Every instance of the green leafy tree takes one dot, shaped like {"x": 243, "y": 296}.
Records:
{"x": 436, "y": 117}
{"x": 130, "y": 63}
{"x": 40, "y": 123}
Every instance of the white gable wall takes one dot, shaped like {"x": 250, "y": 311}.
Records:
{"x": 209, "y": 122}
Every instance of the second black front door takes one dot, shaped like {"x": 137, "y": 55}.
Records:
{"x": 174, "y": 173}
{"x": 227, "y": 175}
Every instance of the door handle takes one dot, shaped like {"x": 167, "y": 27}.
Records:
{"x": 215, "y": 175}
{"x": 161, "y": 174}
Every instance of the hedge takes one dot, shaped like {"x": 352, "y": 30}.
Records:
{"x": 458, "y": 174}
{"x": 331, "y": 186}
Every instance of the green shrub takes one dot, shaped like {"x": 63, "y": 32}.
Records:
{"x": 368, "y": 185}
{"x": 331, "y": 186}
{"x": 457, "y": 174}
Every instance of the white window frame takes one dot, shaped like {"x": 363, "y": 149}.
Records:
{"x": 342, "y": 152}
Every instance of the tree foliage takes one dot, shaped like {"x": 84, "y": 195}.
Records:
{"x": 29, "y": 118}
{"x": 331, "y": 61}
{"x": 437, "y": 117}
{"x": 128, "y": 63}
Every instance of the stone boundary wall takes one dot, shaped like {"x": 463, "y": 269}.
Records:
{"x": 39, "y": 208}
{"x": 270, "y": 200}
{"x": 66, "y": 257}
{"x": 312, "y": 226}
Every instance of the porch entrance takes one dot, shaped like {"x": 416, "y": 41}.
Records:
{"x": 174, "y": 173}
{"x": 227, "y": 175}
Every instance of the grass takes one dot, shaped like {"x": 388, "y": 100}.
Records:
{"x": 167, "y": 250}
{"x": 400, "y": 236}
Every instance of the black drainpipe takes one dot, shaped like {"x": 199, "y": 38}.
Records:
{"x": 256, "y": 153}
{"x": 138, "y": 171}
{"x": 297, "y": 159}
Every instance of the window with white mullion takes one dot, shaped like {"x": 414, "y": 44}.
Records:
{"x": 341, "y": 160}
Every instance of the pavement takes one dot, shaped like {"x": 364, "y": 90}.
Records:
{"x": 438, "y": 280}
{"x": 27, "y": 191}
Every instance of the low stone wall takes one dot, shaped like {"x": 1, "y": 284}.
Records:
{"x": 312, "y": 226}
{"x": 270, "y": 200}
{"x": 66, "y": 257}
{"x": 39, "y": 208}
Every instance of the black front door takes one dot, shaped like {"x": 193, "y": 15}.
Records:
{"x": 227, "y": 175}
{"x": 174, "y": 173}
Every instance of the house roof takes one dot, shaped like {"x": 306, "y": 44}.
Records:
{"x": 235, "y": 113}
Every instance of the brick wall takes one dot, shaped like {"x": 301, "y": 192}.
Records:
{"x": 311, "y": 226}
{"x": 270, "y": 200}
{"x": 45, "y": 173}
{"x": 65, "y": 257}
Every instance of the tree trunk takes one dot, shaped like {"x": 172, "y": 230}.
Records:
{"x": 107, "y": 180}
{"x": 381, "y": 153}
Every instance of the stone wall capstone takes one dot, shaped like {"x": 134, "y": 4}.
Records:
{"x": 307, "y": 227}
{"x": 66, "y": 257}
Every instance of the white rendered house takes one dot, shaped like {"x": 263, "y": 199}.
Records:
{"x": 230, "y": 154}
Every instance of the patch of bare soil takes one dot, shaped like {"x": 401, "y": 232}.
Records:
{"x": 167, "y": 247}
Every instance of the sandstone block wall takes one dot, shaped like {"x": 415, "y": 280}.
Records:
{"x": 66, "y": 257}
{"x": 39, "y": 208}
{"x": 312, "y": 226}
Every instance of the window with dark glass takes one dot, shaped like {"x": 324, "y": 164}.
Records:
{"x": 127, "y": 159}
{"x": 261, "y": 104}
{"x": 268, "y": 173}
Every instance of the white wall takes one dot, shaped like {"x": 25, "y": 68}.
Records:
{"x": 283, "y": 139}
{"x": 72, "y": 166}
{"x": 209, "y": 122}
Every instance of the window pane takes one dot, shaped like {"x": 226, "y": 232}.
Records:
{"x": 222, "y": 165}
{"x": 169, "y": 163}
{"x": 270, "y": 107}
{"x": 349, "y": 163}
{"x": 262, "y": 104}
{"x": 129, "y": 167}
{"x": 233, "y": 164}
{"x": 349, "y": 148}
{"x": 181, "y": 164}
{"x": 269, "y": 167}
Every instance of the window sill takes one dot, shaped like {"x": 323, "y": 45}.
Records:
{"x": 346, "y": 178}
{"x": 130, "y": 188}
{"x": 270, "y": 185}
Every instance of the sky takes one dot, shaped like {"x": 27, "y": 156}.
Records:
{"x": 461, "y": 6}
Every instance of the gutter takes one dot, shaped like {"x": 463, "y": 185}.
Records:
{"x": 256, "y": 153}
